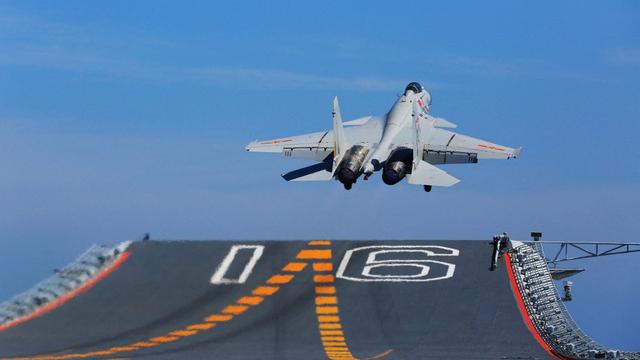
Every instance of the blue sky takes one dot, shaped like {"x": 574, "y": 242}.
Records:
{"x": 130, "y": 117}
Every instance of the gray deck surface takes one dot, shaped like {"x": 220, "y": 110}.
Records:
{"x": 165, "y": 286}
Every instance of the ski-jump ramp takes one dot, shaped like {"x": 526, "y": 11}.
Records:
{"x": 290, "y": 300}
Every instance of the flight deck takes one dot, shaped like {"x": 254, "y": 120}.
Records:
{"x": 316, "y": 299}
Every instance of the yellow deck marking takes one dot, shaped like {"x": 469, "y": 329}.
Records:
{"x": 241, "y": 306}
{"x": 123, "y": 348}
{"x": 328, "y": 318}
{"x": 235, "y": 309}
{"x": 322, "y": 266}
{"x": 314, "y": 254}
{"x": 183, "y": 332}
{"x": 331, "y": 334}
{"x": 333, "y": 341}
{"x": 326, "y": 300}
{"x": 325, "y": 289}
{"x": 330, "y": 326}
{"x": 265, "y": 290}
{"x": 164, "y": 339}
{"x": 98, "y": 353}
{"x": 280, "y": 279}
{"x": 144, "y": 344}
{"x": 320, "y": 242}
{"x": 326, "y": 310}
{"x": 323, "y": 278}
{"x": 203, "y": 326}
{"x": 218, "y": 318}
{"x": 332, "y": 338}
{"x": 250, "y": 300}
{"x": 294, "y": 266}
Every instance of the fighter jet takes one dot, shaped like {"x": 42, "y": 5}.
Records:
{"x": 407, "y": 142}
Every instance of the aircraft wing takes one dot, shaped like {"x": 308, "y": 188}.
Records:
{"x": 463, "y": 149}
{"x": 315, "y": 146}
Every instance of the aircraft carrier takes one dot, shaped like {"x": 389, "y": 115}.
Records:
{"x": 316, "y": 299}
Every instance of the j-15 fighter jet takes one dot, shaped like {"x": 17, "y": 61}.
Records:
{"x": 406, "y": 142}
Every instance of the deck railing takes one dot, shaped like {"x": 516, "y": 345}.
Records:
{"x": 65, "y": 280}
{"x": 547, "y": 311}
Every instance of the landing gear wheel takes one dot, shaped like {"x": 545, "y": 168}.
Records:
{"x": 427, "y": 188}
{"x": 348, "y": 186}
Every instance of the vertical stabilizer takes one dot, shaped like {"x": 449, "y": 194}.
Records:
{"x": 340, "y": 143}
{"x": 422, "y": 172}
{"x": 338, "y": 130}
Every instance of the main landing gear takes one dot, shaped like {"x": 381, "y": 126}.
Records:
{"x": 427, "y": 188}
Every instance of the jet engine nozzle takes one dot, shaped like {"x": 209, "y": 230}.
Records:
{"x": 349, "y": 168}
{"x": 394, "y": 172}
{"x": 397, "y": 166}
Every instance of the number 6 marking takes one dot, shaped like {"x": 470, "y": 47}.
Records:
{"x": 372, "y": 262}
{"x": 218, "y": 276}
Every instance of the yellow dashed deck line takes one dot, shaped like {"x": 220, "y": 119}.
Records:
{"x": 203, "y": 326}
{"x": 331, "y": 334}
{"x": 265, "y": 290}
{"x": 280, "y": 279}
{"x": 235, "y": 309}
{"x": 295, "y": 266}
{"x": 183, "y": 333}
{"x": 319, "y": 242}
{"x": 123, "y": 348}
{"x": 324, "y": 310}
{"x": 250, "y": 300}
{"x": 164, "y": 339}
{"x": 328, "y": 319}
{"x": 314, "y": 254}
{"x": 326, "y": 300}
{"x": 96, "y": 353}
{"x": 330, "y": 326}
{"x": 325, "y": 289}
{"x": 332, "y": 338}
{"x": 323, "y": 278}
{"x": 241, "y": 306}
{"x": 218, "y": 318}
{"x": 322, "y": 266}
{"x": 144, "y": 344}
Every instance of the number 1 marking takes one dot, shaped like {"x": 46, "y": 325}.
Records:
{"x": 218, "y": 276}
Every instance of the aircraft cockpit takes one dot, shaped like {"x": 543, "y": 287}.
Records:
{"x": 415, "y": 87}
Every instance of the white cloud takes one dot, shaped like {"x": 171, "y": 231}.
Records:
{"x": 269, "y": 78}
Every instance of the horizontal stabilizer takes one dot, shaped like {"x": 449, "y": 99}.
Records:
{"x": 442, "y": 123}
{"x": 316, "y": 172}
{"x": 516, "y": 152}
{"x": 427, "y": 174}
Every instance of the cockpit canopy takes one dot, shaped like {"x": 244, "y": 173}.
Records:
{"x": 415, "y": 87}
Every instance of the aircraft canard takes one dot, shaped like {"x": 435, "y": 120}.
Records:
{"x": 406, "y": 142}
